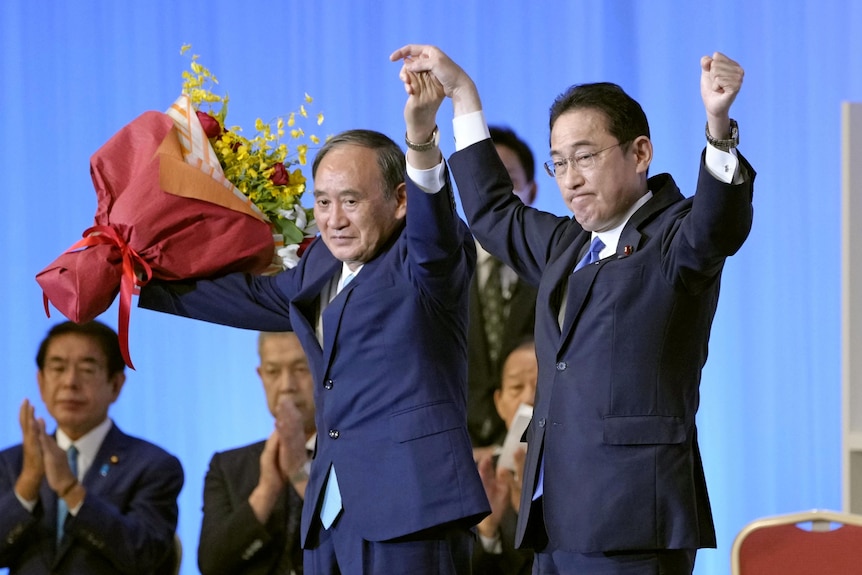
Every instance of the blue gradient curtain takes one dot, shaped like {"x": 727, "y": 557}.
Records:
{"x": 73, "y": 73}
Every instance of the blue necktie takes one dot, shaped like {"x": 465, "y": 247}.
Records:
{"x": 331, "y": 506}
{"x": 62, "y": 508}
{"x": 591, "y": 257}
{"x": 347, "y": 279}
{"x": 331, "y": 500}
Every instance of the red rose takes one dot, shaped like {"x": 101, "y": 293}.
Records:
{"x": 302, "y": 245}
{"x": 279, "y": 176}
{"x": 210, "y": 125}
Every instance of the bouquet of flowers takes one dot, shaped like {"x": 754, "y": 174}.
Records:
{"x": 181, "y": 196}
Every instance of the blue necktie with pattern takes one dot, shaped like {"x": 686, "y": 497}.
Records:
{"x": 62, "y": 508}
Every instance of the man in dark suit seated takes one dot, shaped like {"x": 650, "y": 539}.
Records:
{"x": 89, "y": 498}
{"x": 253, "y": 494}
{"x": 495, "y": 553}
{"x": 502, "y": 306}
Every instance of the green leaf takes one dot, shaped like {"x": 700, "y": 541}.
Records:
{"x": 291, "y": 233}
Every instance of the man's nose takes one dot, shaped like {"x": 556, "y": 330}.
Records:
{"x": 337, "y": 217}
{"x": 286, "y": 382}
{"x": 573, "y": 176}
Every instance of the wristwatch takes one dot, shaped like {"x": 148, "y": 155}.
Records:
{"x": 432, "y": 143}
{"x": 725, "y": 145}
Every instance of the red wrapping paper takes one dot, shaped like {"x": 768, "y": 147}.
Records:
{"x": 157, "y": 217}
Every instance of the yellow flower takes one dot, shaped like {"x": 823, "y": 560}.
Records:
{"x": 258, "y": 166}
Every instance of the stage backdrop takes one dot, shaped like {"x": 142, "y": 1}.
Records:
{"x": 73, "y": 73}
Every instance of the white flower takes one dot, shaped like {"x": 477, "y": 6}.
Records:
{"x": 288, "y": 256}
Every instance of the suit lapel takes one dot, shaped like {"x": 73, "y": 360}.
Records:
{"x": 334, "y": 312}
{"x": 307, "y": 302}
{"x": 112, "y": 454}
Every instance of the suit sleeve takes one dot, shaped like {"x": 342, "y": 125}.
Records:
{"x": 441, "y": 251}
{"x": 16, "y": 523}
{"x": 231, "y": 536}
{"x": 715, "y": 228}
{"x": 138, "y": 535}
{"x": 237, "y": 300}
{"x": 520, "y": 236}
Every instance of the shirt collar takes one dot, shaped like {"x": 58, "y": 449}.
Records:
{"x": 88, "y": 444}
{"x": 612, "y": 237}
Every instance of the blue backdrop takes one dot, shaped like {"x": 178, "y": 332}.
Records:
{"x": 73, "y": 73}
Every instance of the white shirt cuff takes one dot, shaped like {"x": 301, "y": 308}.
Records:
{"x": 724, "y": 166}
{"x": 492, "y": 545}
{"x": 28, "y": 505}
{"x": 469, "y": 129}
{"x": 429, "y": 181}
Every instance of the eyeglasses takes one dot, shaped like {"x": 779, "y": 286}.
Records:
{"x": 87, "y": 371}
{"x": 581, "y": 161}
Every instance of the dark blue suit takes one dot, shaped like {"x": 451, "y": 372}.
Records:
{"x": 390, "y": 379}
{"x": 618, "y": 384}
{"x": 125, "y": 525}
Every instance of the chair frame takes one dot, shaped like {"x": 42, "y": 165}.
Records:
{"x": 820, "y": 519}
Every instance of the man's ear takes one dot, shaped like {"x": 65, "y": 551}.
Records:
{"x": 116, "y": 382}
{"x": 642, "y": 147}
{"x": 532, "y": 190}
{"x": 401, "y": 198}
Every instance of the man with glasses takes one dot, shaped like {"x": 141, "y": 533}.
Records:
{"x": 89, "y": 498}
{"x": 613, "y": 480}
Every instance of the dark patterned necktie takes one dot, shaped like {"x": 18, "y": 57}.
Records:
{"x": 290, "y": 562}
{"x": 493, "y": 309}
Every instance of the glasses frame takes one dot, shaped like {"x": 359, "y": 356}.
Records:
{"x": 580, "y": 161}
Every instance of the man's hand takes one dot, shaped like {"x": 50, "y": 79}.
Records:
{"x": 292, "y": 455}
{"x": 720, "y": 82}
{"x": 456, "y": 84}
{"x": 270, "y": 483}
{"x": 496, "y": 483}
{"x": 57, "y": 470}
{"x": 517, "y": 484}
{"x": 33, "y": 469}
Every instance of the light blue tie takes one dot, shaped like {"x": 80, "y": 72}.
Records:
{"x": 331, "y": 506}
{"x": 347, "y": 279}
{"x": 331, "y": 500}
{"x": 591, "y": 257}
{"x": 62, "y": 508}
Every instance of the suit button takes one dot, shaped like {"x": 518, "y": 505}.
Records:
{"x": 562, "y": 365}
{"x": 328, "y": 384}
{"x": 542, "y": 422}
{"x": 333, "y": 434}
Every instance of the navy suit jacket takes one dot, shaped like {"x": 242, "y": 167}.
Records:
{"x": 233, "y": 541}
{"x": 390, "y": 379}
{"x": 126, "y": 523}
{"x": 483, "y": 375}
{"x": 618, "y": 383}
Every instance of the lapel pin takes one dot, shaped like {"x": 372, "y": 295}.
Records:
{"x": 627, "y": 250}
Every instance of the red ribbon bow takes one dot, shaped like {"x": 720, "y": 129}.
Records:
{"x": 130, "y": 283}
